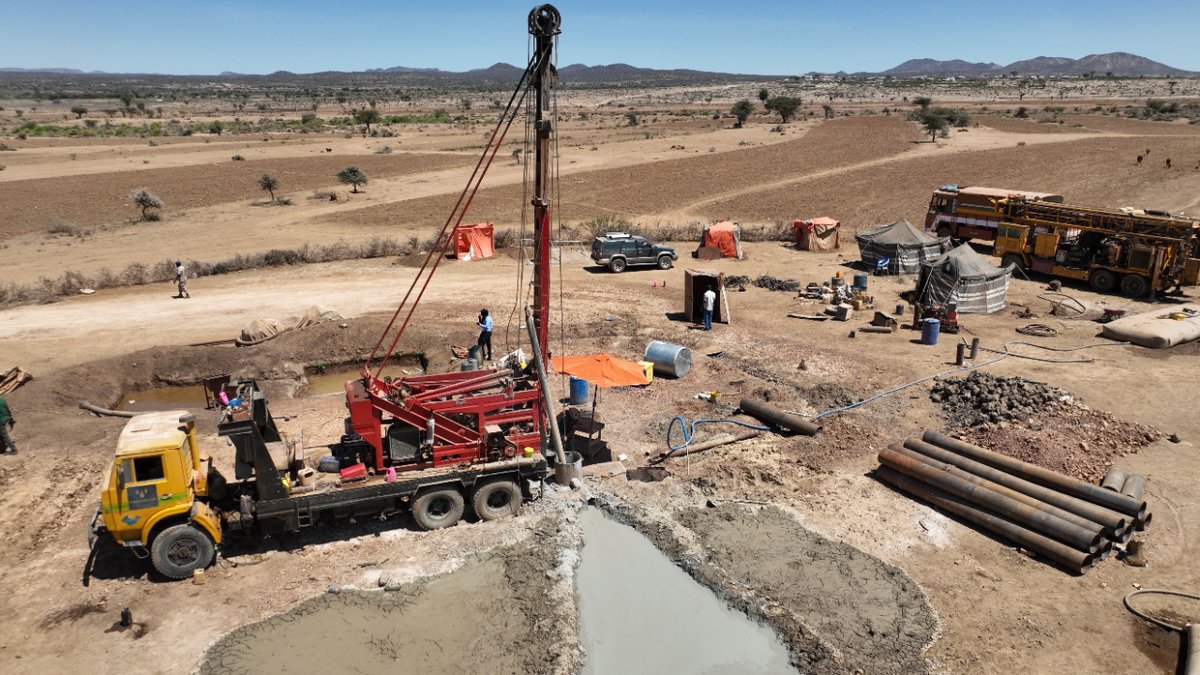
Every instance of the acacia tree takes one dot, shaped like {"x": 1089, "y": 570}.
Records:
{"x": 146, "y": 200}
{"x": 764, "y": 95}
{"x": 784, "y": 106}
{"x": 933, "y": 123}
{"x": 922, "y": 101}
{"x": 367, "y": 116}
{"x": 352, "y": 175}
{"x": 79, "y": 111}
{"x": 269, "y": 183}
{"x": 742, "y": 110}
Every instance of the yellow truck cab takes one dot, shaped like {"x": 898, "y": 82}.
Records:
{"x": 149, "y": 502}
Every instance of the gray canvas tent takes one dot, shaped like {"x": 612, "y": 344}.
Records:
{"x": 965, "y": 278}
{"x": 904, "y": 246}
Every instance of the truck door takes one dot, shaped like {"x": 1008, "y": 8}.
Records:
{"x": 142, "y": 489}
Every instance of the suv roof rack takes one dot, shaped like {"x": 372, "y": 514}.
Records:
{"x": 617, "y": 235}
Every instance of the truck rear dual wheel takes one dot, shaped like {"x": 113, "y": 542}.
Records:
{"x": 497, "y": 499}
{"x": 440, "y": 508}
{"x": 1134, "y": 286}
{"x": 1102, "y": 280}
{"x": 181, "y": 549}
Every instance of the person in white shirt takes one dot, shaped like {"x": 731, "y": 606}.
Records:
{"x": 485, "y": 335}
{"x": 710, "y": 299}
{"x": 181, "y": 280}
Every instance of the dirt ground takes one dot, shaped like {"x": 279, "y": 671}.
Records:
{"x": 959, "y": 601}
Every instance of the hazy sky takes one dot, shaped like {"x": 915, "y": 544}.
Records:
{"x": 741, "y": 36}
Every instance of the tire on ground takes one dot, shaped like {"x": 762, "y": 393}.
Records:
{"x": 438, "y": 508}
{"x": 497, "y": 499}
{"x": 180, "y": 549}
{"x": 1102, "y": 280}
{"x": 1134, "y": 286}
{"x": 664, "y": 262}
{"x": 617, "y": 265}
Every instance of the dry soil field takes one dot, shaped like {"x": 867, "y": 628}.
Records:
{"x": 952, "y": 599}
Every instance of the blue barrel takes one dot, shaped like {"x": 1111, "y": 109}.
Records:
{"x": 860, "y": 282}
{"x": 579, "y": 391}
{"x": 929, "y": 331}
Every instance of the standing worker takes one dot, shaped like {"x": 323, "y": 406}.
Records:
{"x": 485, "y": 334}
{"x": 6, "y": 423}
{"x": 710, "y": 299}
{"x": 181, "y": 280}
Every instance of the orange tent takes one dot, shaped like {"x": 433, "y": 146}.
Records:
{"x": 725, "y": 236}
{"x": 602, "y": 370}
{"x": 472, "y": 242}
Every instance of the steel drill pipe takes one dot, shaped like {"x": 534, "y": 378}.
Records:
{"x": 1046, "y": 477}
{"x": 767, "y": 413}
{"x": 1114, "y": 479}
{"x": 1076, "y": 561}
{"x": 1026, "y": 515}
{"x": 1134, "y": 487}
{"x": 1038, "y": 504}
{"x": 1114, "y": 523}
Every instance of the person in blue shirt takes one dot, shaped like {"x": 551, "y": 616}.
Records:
{"x": 485, "y": 334}
{"x": 6, "y": 423}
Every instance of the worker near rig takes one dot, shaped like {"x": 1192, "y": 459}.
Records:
{"x": 485, "y": 335}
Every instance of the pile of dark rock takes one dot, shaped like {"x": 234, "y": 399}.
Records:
{"x": 981, "y": 398}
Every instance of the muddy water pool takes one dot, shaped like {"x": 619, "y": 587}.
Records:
{"x": 640, "y": 613}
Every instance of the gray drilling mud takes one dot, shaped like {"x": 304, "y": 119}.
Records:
{"x": 639, "y": 613}
{"x": 495, "y": 615}
{"x": 870, "y": 612}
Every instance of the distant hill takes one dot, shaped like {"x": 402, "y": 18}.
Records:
{"x": 919, "y": 67}
{"x": 1117, "y": 63}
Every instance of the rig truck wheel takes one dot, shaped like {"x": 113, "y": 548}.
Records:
{"x": 1134, "y": 286}
{"x": 617, "y": 265}
{"x": 439, "y": 508}
{"x": 497, "y": 499}
{"x": 179, "y": 550}
{"x": 1102, "y": 280}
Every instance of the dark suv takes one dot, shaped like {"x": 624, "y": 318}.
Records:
{"x": 618, "y": 250}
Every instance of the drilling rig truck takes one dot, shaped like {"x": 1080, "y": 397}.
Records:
{"x": 427, "y": 444}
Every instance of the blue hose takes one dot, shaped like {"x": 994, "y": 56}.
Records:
{"x": 690, "y": 430}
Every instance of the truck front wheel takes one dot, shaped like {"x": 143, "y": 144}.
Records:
{"x": 179, "y": 550}
{"x": 497, "y": 499}
{"x": 438, "y": 508}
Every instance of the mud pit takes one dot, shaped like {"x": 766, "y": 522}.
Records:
{"x": 448, "y": 624}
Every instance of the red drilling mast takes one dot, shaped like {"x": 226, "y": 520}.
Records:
{"x": 451, "y": 419}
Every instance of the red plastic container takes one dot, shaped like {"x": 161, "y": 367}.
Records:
{"x": 356, "y": 472}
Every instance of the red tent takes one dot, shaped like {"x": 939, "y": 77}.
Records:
{"x": 472, "y": 242}
{"x": 725, "y": 236}
{"x": 818, "y": 234}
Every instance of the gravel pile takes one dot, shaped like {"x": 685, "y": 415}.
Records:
{"x": 982, "y": 398}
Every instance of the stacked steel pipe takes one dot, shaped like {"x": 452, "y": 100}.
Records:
{"x": 1069, "y": 521}
{"x": 1131, "y": 485}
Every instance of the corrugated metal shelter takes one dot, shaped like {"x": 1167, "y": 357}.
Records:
{"x": 966, "y": 279}
{"x": 904, "y": 245}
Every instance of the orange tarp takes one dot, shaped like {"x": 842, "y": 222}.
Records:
{"x": 601, "y": 369}
{"x": 724, "y": 236}
{"x": 472, "y": 242}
